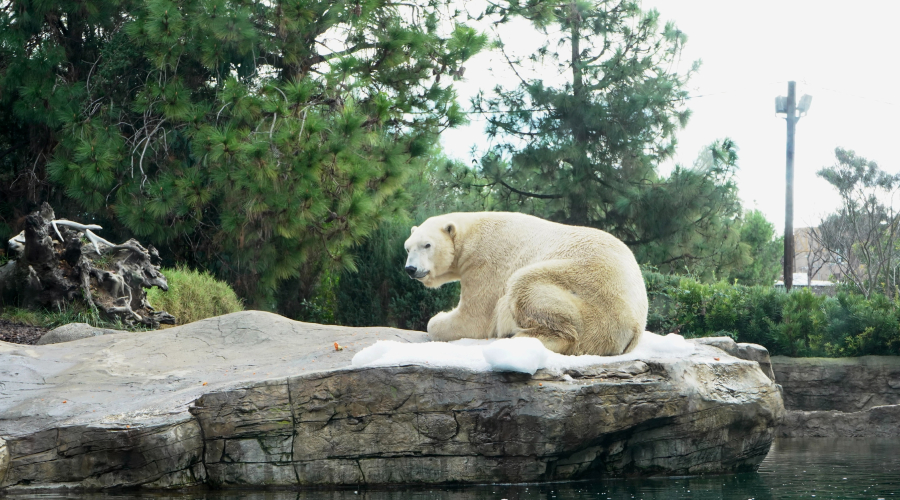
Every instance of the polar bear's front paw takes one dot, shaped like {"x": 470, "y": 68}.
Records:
{"x": 435, "y": 320}
{"x": 440, "y": 327}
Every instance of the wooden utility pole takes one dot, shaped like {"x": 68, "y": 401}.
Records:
{"x": 789, "y": 189}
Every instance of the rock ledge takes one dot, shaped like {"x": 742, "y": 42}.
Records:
{"x": 255, "y": 399}
{"x": 840, "y": 397}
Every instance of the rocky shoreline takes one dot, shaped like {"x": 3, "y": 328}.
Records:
{"x": 253, "y": 399}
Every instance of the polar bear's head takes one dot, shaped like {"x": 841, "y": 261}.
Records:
{"x": 431, "y": 252}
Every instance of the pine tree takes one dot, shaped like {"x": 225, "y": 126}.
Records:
{"x": 690, "y": 221}
{"x": 590, "y": 141}
{"x": 47, "y": 51}
{"x": 586, "y": 151}
{"x": 758, "y": 235}
{"x": 261, "y": 140}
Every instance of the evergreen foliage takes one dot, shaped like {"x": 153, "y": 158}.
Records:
{"x": 583, "y": 147}
{"x": 381, "y": 293}
{"x": 690, "y": 220}
{"x": 765, "y": 250}
{"x": 258, "y": 140}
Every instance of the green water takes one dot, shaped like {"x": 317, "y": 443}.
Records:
{"x": 795, "y": 468}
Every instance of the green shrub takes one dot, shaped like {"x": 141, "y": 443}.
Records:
{"x": 694, "y": 309}
{"x": 802, "y": 323}
{"x": 707, "y": 310}
{"x": 794, "y": 324}
{"x": 193, "y": 296}
{"x": 858, "y": 327}
{"x": 661, "y": 316}
{"x": 322, "y": 305}
{"x": 760, "y": 305}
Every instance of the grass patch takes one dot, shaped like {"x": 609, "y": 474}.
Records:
{"x": 193, "y": 296}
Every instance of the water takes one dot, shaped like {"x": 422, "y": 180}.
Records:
{"x": 818, "y": 468}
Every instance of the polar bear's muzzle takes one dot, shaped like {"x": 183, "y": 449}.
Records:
{"x": 416, "y": 273}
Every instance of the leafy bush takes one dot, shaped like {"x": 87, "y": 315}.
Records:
{"x": 193, "y": 296}
{"x": 686, "y": 306}
{"x": 794, "y": 324}
{"x": 661, "y": 316}
{"x": 858, "y": 327}
{"x": 802, "y": 322}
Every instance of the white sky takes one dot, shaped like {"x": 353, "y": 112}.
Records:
{"x": 843, "y": 54}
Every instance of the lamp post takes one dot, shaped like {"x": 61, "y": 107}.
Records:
{"x": 793, "y": 112}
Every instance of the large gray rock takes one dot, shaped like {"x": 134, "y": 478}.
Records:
{"x": 743, "y": 350}
{"x": 840, "y": 397}
{"x": 255, "y": 399}
{"x": 73, "y": 331}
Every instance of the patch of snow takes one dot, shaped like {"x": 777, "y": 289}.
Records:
{"x": 651, "y": 346}
{"x": 436, "y": 354}
{"x": 524, "y": 355}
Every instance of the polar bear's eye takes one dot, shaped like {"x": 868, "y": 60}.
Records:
{"x": 428, "y": 245}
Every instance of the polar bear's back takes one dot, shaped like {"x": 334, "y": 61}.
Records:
{"x": 524, "y": 239}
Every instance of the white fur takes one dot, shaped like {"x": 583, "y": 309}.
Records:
{"x": 578, "y": 290}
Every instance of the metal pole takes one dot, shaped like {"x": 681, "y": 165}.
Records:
{"x": 789, "y": 190}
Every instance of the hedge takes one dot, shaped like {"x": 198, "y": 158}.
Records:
{"x": 798, "y": 323}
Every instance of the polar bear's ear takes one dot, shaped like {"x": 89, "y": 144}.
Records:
{"x": 451, "y": 229}
{"x": 411, "y": 231}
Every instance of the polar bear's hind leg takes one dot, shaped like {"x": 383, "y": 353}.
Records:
{"x": 504, "y": 321}
{"x": 549, "y": 314}
{"x": 536, "y": 305}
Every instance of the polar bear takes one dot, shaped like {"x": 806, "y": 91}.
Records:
{"x": 576, "y": 289}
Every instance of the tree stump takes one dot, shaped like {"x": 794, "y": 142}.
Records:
{"x": 58, "y": 263}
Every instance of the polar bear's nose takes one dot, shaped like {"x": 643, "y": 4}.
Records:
{"x": 411, "y": 270}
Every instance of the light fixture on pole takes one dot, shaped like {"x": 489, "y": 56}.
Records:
{"x": 792, "y": 112}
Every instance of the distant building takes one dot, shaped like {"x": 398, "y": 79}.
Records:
{"x": 818, "y": 287}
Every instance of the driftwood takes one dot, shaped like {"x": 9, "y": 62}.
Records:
{"x": 57, "y": 262}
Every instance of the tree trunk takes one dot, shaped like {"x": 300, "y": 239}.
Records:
{"x": 55, "y": 267}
